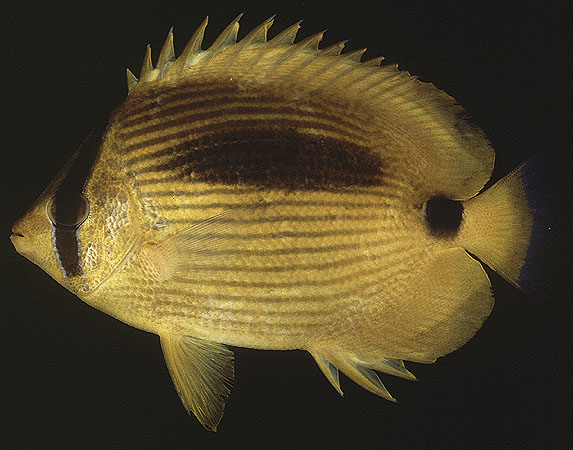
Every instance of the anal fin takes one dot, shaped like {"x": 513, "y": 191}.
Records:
{"x": 202, "y": 372}
{"x": 355, "y": 369}
{"x": 393, "y": 366}
{"x": 329, "y": 370}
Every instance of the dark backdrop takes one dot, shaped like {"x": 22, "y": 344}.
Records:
{"x": 72, "y": 377}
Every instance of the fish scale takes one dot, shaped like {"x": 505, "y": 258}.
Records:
{"x": 270, "y": 194}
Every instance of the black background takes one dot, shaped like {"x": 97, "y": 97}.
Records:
{"x": 72, "y": 377}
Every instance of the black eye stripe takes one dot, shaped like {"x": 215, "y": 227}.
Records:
{"x": 69, "y": 206}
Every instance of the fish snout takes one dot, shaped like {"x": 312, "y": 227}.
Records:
{"x": 23, "y": 243}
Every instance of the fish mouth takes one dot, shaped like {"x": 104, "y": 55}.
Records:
{"x": 16, "y": 234}
{"x": 19, "y": 241}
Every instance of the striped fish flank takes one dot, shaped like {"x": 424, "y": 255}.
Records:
{"x": 269, "y": 194}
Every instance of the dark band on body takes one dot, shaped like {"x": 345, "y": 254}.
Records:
{"x": 273, "y": 159}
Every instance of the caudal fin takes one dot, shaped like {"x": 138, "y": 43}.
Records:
{"x": 508, "y": 227}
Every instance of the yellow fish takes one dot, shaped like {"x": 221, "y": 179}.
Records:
{"x": 274, "y": 195}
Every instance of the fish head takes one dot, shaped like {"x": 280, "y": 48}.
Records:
{"x": 83, "y": 226}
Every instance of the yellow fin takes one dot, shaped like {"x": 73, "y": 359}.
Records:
{"x": 446, "y": 303}
{"x": 188, "y": 249}
{"x": 131, "y": 80}
{"x": 392, "y": 367}
{"x": 453, "y": 154}
{"x": 202, "y": 372}
{"x": 166, "y": 55}
{"x": 329, "y": 371}
{"x": 192, "y": 51}
{"x": 355, "y": 369}
{"x": 287, "y": 36}
{"x": 498, "y": 224}
{"x": 258, "y": 35}
{"x": 147, "y": 71}
{"x": 226, "y": 38}
{"x": 334, "y": 49}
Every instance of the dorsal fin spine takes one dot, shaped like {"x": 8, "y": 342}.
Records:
{"x": 227, "y": 37}
{"x": 311, "y": 42}
{"x": 193, "y": 47}
{"x": 168, "y": 66}
{"x": 147, "y": 66}
{"x": 166, "y": 55}
{"x": 259, "y": 34}
{"x": 287, "y": 36}
{"x": 131, "y": 80}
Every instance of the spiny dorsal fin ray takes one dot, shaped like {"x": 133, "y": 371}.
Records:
{"x": 192, "y": 50}
{"x": 259, "y": 34}
{"x": 287, "y": 36}
{"x": 376, "y": 61}
{"x": 334, "y": 49}
{"x": 354, "y": 55}
{"x": 311, "y": 42}
{"x": 202, "y": 372}
{"x": 147, "y": 66}
{"x": 227, "y": 37}
{"x": 166, "y": 56}
{"x": 131, "y": 80}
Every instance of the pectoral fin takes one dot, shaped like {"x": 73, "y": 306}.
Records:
{"x": 189, "y": 248}
{"x": 202, "y": 372}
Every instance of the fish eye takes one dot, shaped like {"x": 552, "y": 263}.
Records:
{"x": 68, "y": 210}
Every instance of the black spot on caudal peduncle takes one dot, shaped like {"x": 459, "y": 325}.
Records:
{"x": 443, "y": 216}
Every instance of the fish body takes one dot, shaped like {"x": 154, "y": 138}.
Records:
{"x": 268, "y": 194}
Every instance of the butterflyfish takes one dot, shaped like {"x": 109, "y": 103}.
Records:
{"x": 270, "y": 194}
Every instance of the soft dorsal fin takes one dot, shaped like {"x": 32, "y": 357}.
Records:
{"x": 202, "y": 372}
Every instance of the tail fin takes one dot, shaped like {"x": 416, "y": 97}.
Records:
{"x": 509, "y": 226}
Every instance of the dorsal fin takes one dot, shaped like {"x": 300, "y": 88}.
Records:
{"x": 192, "y": 50}
{"x": 425, "y": 117}
{"x": 131, "y": 80}
{"x": 227, "y": 37}
{"x": 146, "y": 73}
{"x": 354, "y": 55}
{"x": 311, "y": 42}
{"x": 287, "y": 36}
{"x": 334, "y": 49}
{"x": 168, "y": 66}
{"x": 258, "y": 35}
{"x": 166, "y": 56}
